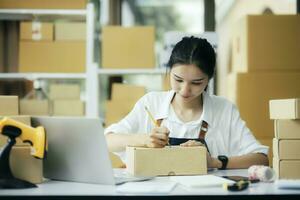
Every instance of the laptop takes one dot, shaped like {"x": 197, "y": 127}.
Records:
{"x": 77, "y": 151}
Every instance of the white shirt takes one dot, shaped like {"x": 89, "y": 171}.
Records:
{"x": 227, "y": 133}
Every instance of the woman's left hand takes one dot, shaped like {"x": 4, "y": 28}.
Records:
{"x": 211, "y": 162}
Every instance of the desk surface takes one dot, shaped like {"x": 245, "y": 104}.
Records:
{"x": 59, "y": 188}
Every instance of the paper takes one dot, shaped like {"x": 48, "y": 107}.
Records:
{"x": 287, "y": 184}
{"x": 201, "y": 181}
{"x": 152, "y": 187}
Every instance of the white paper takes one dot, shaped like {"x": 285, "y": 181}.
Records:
{"x": 288, "y": 184}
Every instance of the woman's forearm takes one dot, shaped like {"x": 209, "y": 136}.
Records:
{"x": 245, "y": 161}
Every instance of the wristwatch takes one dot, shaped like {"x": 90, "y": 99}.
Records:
{"x": 224, "y": 160}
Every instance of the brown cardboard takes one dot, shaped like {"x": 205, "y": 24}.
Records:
{"x": 68, "y": 107}
{"x": 286, "y": 169}
{"x": 70, "y": 31}
{"x": 34, "y": 107}
{"x": 64, "y": 91}
{"x": 128, "y": 47}
{"x": 174, "y": 160}
{"x": 20, "y": 118}
{"x": 9, "y": 105}
{"x": 116, "y": 110}
{"x": 24, "y": 166}
{"x": 251, "y": 92}
{"x": 44, "y": 4}
{"x": 127, "y": 92}
{"x": 116, "y": 161}
{"x": 266, "y": 43}
{"x": 287, "y": 128}
{"x": 286, "y": 149}
{"x": 36, "y": 31}
{"x": 285, "y": 108}
{"x": 63, "y": 57}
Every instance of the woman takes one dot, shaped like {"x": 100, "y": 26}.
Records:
{"x": 189, "y": 116}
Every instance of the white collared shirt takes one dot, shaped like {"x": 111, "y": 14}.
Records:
{"x": 227, "y": 133}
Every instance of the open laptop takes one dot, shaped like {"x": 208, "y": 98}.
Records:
{"x": 77, "y": 151}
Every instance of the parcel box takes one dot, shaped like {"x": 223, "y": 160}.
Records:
{"x": 36, "y": 31}
{"x": 51, "y": 57}
{"x": 68, "y": 107}
{"x": 20, "y": 118}
{"x": 70, "y": 31}
{"x": 44, "y": 4}
{"x": 251, "y": 92}
{"x": 126, "y": 92}
{"x": 266, "y": 43}
{"x": 24, "y": 166}
{"x": 130, "y": 47}
{"x": 170, "y": 160}
{"x": 64, "y": 91}
{"x": 286, "y": 149}
{"x": 9, "y": 105}
{"x": 34, "y": 107}
{"x": 287, "y": 128}
{"x": 286, "y": 169}
{"x": 285, "y": 108}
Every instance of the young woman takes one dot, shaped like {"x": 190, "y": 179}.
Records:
{"x": 187, "y": 115}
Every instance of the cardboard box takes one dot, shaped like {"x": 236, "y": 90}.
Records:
{"x": 63, "y": 57}
{"x": 64, "y": 91}
{"x": 36, "y": 31}
{"x": 9, "y": 105}
{"x": 254, "y": 48}
{"x": 21, "y": 118}
{"x": 117, "y": 110}
{"x": 68, "y": 108}
{"x": 128, "y": 47}
{"x": 126, "y": 92}
{"x": 70, "y": 31}
{"x": 24, "y": 166}
{"x": 251, "y": 92}
{"x": 34, "y": 107}
{"x": 286, "y": 149}
{"x": 44, "y": 4}
{"x": 286, "y": 169}
{"x": 287, "y": 128}
{"x": 285, "y": 109}
{"x": 174, "y": 160}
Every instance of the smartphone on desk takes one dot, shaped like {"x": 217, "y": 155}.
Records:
{"x": 236, "y": 178}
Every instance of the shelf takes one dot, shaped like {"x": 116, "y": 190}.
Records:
{"x": 131, "y": 71}
{"x": 42, "y": 14}
{"x": 38, "y": 76}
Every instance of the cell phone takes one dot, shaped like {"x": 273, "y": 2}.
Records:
{"x": 236, "y": 178}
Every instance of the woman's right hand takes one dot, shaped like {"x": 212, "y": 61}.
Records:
{"x": 158, "y": 138}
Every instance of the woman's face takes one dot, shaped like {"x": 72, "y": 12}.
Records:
{"x": 188, "y": 81}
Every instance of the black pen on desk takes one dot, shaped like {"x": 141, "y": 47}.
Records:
{"x": 153, "y": 120}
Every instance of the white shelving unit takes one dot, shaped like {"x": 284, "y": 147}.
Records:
{"x": 91, "y": 77}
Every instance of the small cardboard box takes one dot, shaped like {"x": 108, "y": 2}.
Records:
{"x": 68, "y": 107}
{"x": 286, "y": 149}
{"x": 51, "y": 57}
{"x": 64, "y": 91}
{"x": 36, "y": 31}
{"x": 126, "y": 92}
{"x": 34, "y": 107}
{"x": 21, "y": 118}
{"x": 70, "y": 31}
{"x": 174, "y": 160}
{"x": 9, "y": 105}
{"x": 44, "y": 4}
{"x": 285, "y": 109}
{"x": 286, "y": 169}
{"x": 254, "y": 49}
{"x": 128, "y": 47}
{"x": 287, "y": 128}
{"x": 24, "y": 166}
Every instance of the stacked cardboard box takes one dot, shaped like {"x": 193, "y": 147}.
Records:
{"x": 23, "y": 165}
{"x": 39, "y": 51}
{"x": 65, "y": 100}
{"x": 263, "y": 69}
{"x": 286, "y": 144}
{"x": 44, "y": 4}
{"x": 123, "y": 99}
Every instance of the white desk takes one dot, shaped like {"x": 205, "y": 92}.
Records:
{"x": 54, "y": 189}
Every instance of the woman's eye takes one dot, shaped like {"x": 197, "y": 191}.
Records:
{"x": 197, "y": 83}
{"x": 178, "y": 80}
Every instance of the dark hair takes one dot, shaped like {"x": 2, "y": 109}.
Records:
{"x": 197, "y": 51}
